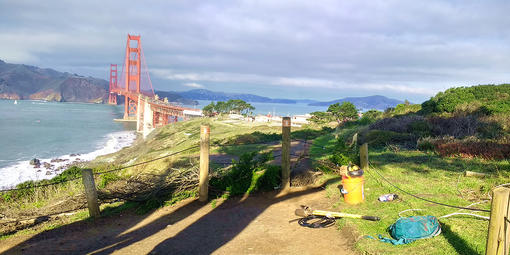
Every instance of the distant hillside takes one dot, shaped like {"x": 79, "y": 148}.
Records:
{"x": 175, "y": 97}
{"x": 18, "y": 81}
{"x": 30, "y": 82}
{"x": 365, "y": 103}
{"x": 204, "y": 94}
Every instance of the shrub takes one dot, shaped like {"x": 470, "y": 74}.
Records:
{"x": 493, "y": 99}
{"x": 425, "y": 144}
{"x": 420, "y": 128}
{"x": 381, "y": 138}
{"x": 400, "y": 124}
{"x": 343, "y": 154}
{"x": 468, "y": 147}
{"x": 458, "y": 126}
{"x": 107, "y": 178}
{"x": 402, "y": 109}
{"x": 250, "y": 173}
{"x": 490, "y": 130}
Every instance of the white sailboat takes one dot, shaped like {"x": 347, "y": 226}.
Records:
{"x": 15, "y": 101}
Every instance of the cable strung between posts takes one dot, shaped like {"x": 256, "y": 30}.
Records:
{"x": 428, "y": 200}
{"x": 109, "y": 171}
{"x": 148, "y": 161}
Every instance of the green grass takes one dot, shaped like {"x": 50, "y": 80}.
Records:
{"x": 427, "y": 175}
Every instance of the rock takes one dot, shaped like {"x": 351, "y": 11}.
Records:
{"x": 37, "y": 165}
{"x": 73, "y": 155}
{"x": 48, "y": 173}
{"x": 35, "y": 161}
{"x": 58, "y": 160}
{"x": 47, "y": 165}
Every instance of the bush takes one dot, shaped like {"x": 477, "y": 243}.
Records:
{"x": 468, "y": 147}
{"x": 343, "y": 154}
{"x": 425, "y": 144}
{"x": 402, "y": 109}
{"x": 458, "y": 126}
{"x": 381, "y": 138}
{"x": 250, "y": 173}
{"x": 107, "y": 178}
{"x": 400, "y": 124}
{"x": 420, "y": 128}
{"x": 493, "y": 99}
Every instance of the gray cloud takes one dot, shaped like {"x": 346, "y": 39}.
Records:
{"x": 320, "y": 49}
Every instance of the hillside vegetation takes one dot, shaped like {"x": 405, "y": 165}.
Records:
{"x": 421, "y": 151}
{"x": 425, "y": 150}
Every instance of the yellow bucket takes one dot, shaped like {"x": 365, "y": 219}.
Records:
{"x": 353, "y": 189}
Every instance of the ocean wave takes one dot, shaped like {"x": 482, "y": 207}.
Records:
{"x": 22, "y": 171}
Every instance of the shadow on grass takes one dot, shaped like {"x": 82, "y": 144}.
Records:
{"x": 459, "y": 244}
{"x": 429, "y": 162}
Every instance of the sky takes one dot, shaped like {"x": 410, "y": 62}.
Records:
{"x": 320, "y": 50}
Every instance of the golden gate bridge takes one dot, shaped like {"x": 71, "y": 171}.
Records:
{"x": 141, "y": 104}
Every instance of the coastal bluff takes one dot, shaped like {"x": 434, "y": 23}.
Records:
{"x": 18, "y": 81}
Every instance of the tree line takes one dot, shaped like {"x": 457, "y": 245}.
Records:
{"x": 236, "y": 106}
{"x": 336, "y": 112}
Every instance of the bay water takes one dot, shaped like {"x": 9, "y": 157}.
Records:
{"x": 58, "y": 132}
{"x": 63, "y": 133}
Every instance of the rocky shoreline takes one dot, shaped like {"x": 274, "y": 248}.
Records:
{"x": 55, "y": 165}
{"x": 39, "y": 169}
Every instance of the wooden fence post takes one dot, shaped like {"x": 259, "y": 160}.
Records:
{"x": 363, "y": 156}
{"x": 203, "y": 184}
{"x": 285, "y": 153}
{"x": 499, "y": 234}
{"x": 90, "y": 192}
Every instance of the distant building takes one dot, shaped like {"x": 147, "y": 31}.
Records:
{"x": 233, "y": 116}
{"x": 301, "y": 119}
{"x": 262, "y": 118}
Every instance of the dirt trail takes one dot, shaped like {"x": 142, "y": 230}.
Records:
{"x": 258, "y": 224}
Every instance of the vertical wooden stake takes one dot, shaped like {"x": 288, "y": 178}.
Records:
{"x": 363, "y": 156}
{"x": 203, "y": 188}
{"x": 90, "y": 192}
{"x": 285, "y": 153}
{"x": 498, "y": 236}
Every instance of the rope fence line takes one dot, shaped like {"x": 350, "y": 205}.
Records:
{"x": 100, "y": 173}
{"x": 421, "y": 198}
{"x": 141, "y": 163}
{"x": 46, "y": 217}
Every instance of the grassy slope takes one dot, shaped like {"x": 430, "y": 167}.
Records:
{"x": 432, "y": 177}
{"x": 161, "y": 142}
{"x": 174, "y": 138}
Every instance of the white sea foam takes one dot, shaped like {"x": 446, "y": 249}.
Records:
{"x": 22, "y": 171}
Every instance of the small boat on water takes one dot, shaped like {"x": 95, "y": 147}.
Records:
{"x": 15, "y": 101}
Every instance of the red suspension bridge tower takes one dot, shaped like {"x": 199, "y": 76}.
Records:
{"x": 112, "y": 97}
{"x": 140, "y": 103}
{"x": 134, "y": 79}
